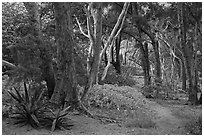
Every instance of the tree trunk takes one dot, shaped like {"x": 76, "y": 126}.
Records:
{"x": 94, "y": 52}
{"x": 185, "y": 50}
{"x": 155, "y": 45}
{"x": 183, "y": 75}
{"x": 117, "y": 51}
{"x": 66, "y": 84}
{"x": 195, "y": 72}
{"x": 145, "y": 63}
{"x": 105, "y": 55}
{"x": 46, "y": 67}
{"x": 116, "y": 62}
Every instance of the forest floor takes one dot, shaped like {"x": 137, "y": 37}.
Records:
{"x": 170, "y": 117}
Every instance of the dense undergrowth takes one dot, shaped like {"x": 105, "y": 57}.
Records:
{"x": 194, "y": 126}
{"x": 122, "y": 102}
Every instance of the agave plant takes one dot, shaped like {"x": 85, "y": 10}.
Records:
{"x": 57, "y": 119}
{"x": 28, "y": 109}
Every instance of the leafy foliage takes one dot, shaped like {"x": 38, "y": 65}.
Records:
{"x": 28, "y": 109}
{"x": 115, "y": 97}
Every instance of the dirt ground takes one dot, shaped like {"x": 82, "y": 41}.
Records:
{"x": 169, "y": 119}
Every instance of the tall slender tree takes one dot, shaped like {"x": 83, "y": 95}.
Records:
{"x": 186, "y": 51}
{"x": 94, "y": 34}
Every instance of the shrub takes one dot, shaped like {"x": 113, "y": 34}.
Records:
{"x": 29, "y": 108}
{"x": 57, "y": 119}
{"x": 116, "y": 97}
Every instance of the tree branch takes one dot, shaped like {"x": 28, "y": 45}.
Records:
{"x": 89, "y": 24}
{"x": 116, "y": 30}
{"x": 80, "y": 28}
{"x": 6, "y": 63}
{"x": 117, "y": 25}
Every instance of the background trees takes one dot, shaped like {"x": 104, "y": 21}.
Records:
{"x": 69, "y": 43}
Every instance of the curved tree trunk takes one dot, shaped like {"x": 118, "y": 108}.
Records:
{"x": 155, "y": 44}
{"x": 94, "y": 51}
{"x": 115, "y": 32}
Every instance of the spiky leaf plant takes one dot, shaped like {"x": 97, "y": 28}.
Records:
{"x": 28, "y": 109}
{"x": 56, "y": 119}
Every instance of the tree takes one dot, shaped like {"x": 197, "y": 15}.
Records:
{"x": 114, "y": 33}
{"x": 66, "y": 84}
{"x": 116, "y": 62}
{"x": 46, "y": 66}
{"x": 94, "y": 35}
{"x": 143, "y": 49}
{"x": 186, "y": 51}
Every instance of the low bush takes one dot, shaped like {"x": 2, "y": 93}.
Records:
{"x": 28, "y": 108}
{"x": 116, "y": 97}
{"x": 31, "y": 109}
{"x": 56, "y": 119}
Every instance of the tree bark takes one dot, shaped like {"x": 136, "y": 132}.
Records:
{"x": 145, "y": 63}
{"x": 95, "y": 40}
{"x": 155, "y": 45}
{"x": 116, "y": 62}
{"x": 66, "y": 84}
{"x": 185, "y": 50}
{"x": 183, "y": 75}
